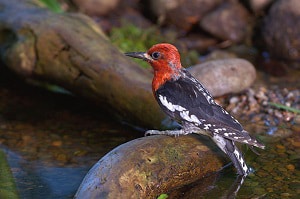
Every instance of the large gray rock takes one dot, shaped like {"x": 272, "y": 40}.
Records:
{"x": 180, "y": 13}
{"x": 96, "y": 7}
{"x": 228, "y": 22}
{"x": 225, "y": 76}
{"x": 281, "y": 30}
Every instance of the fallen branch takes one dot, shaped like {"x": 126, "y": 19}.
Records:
{"x": 71, "y": 51}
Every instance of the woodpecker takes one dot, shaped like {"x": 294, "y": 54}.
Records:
{"x": 183, "y": 98}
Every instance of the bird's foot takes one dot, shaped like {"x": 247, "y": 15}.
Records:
{"x": 167, "y": 132}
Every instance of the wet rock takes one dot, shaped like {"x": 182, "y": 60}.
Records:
{"x": 198, "y": 42}
{"x": 225, "y": 76}
{"x": 96, "y": 7}
{"x": 181, "y": 14}
{"x": 149, "y": 166}
{"x": 199, "y": 188}
{"x": 136, "y": 18}
{"x": 228, "y": 22}
{"x": 280, "y": 34}
{"x": 259, "y": 5}
{"x": 220, "y": 54}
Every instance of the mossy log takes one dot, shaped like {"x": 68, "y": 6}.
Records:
{"x": 71, "y": 51}
{"x": 150, "y": 166}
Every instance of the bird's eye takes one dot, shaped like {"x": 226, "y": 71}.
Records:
{"x": 155, "y": 55}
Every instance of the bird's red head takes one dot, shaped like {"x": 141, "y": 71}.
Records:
{"x": 165, "y": 61}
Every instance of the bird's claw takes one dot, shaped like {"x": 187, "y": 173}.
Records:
{"x": 152, "y": 132}
{"x": 175, "y": 133}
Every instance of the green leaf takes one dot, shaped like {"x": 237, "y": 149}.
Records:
{"x": 52, "y": 5}
{"x": 7, "y": 183}
{"x": 163, "y": 196}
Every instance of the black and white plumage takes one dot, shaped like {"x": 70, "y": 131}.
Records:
{"x": 186, "y": 100}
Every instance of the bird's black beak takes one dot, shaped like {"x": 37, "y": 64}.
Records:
{"x": 140, "y": 55}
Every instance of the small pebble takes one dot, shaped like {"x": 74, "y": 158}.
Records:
{"x": 62, "y": 158}
{"x": 80, "y": 153}
{"x": 290, "y": 167}
{"x": 261, "y": 174}
{"x": 282, "y": 169}
{"x": 296, "y": 143}
{"x": 270, "y": 189}
{"x": 278, "y": 178}
{"x": 279, "y": 146}
{"x": 297, "y": 119}
{"x": 295, "y": 128}
{"x": 57, "y": 143}
{"x": 259, "y": 190}
{"x": 285, "y": 194}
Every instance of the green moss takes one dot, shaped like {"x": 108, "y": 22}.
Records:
{"x": 173, "y": 155}
{"x": 130, "y": 38}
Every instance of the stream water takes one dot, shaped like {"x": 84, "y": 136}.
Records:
{"x": 51, "y": 141}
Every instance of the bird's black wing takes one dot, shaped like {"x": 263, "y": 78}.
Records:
{"x": 180, "y": 95}
{"x": 189, "y": 94}
{"x": 187, "y": 101}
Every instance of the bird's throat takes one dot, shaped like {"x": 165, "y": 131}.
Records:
{"x": 161, "y": 78}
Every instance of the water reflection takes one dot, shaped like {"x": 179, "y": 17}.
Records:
{"x": 35, "y": 180}
{"x": 224, "y": 184}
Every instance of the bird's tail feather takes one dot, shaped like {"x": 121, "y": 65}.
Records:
{"x": 228, "y": 147}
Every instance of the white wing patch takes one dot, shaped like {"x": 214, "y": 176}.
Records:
{"x": 185, "y": 114}
{"x": 207, "y": 126}
{"x": 169, "y": 105}
{"x": 216, "y": 130}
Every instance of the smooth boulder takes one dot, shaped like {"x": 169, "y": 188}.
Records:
{"x": 149, "y": 166}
